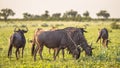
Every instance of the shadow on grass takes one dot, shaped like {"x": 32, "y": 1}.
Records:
{"x": 1, "y": 49}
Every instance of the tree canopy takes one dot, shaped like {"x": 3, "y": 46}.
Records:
{"x": 5, "y": 13}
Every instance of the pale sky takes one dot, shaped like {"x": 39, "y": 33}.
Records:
{"x": 61, "y": 6}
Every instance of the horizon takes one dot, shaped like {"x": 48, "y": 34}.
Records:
{"x": 38, "y": 7}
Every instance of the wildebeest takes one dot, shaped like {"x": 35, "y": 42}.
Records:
{"x": 55, "y": 39}
{"x": 17, "y": 39}
{"x": 103, "y": 33}
{"x": 79, "y": 39}
{"x": 37, "y": 32}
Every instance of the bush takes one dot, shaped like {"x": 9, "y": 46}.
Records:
{"x": 44, "y": 25}
{"x": 59, "y": 25}
{"x": 115, "y": 25}
{"x": 34, "y": 25}
{"x": 23, "y": 26}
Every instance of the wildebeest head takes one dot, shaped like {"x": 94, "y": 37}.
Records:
{"x": 79, "y": 39}
{"x": 89, "y": 50}
{"x": 22, "y": 31}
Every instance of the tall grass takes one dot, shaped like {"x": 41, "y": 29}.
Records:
{"x": 102, "y": 57}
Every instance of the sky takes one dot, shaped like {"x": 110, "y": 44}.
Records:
{"x": 61, "y": 6}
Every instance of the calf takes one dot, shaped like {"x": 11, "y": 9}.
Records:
{"x": 103, "y": 33}
{"x": 17, "y": 40}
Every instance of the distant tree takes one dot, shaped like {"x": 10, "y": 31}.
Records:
{"x": 70, "y": 14}
{"x": 103, "y": 13}
{"x": 56, "y": 15}
{"x": 36, "y": 16}
{"x": 86, "y": 14}
{"x": 46, "y": 15}
{"x": 5, "y": 13}
{"x": 106, "y": 15}
{"x": 27, "y": 15}
{"x": 78, "y": 17}
{"x": 0, "y": 15}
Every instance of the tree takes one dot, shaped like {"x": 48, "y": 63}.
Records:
{"x": 106, "y": 15}
{"x": 46, "y": 15}
{"x": 27, "y": 15}
{"x": 103, "y": 13}
{"x": 56, "y": 15}
{"x": 86, "y": 14}
{"x": 37, "y": 16}
{"x": 5, "y": 13}
{"x": 0, "y": 15}
{"x": 70, "y": 14}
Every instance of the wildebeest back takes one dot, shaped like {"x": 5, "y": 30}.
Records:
{"x": 53, "y": 38}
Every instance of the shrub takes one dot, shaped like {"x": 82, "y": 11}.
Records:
{"x": 23, "y": 26}
{"x": 59, "y": 25}
{"x": 44, "y": 25}
{"x": 35, "y": 25}
{"x": 115, "y": 25}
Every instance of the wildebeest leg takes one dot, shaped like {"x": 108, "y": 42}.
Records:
{"x": 54, "y": 54}
{"x": 106, "y": 43}
{"x": 35, "y": 52}
{"x": 10, "y": 51}
{"x": 63, "y": 53}
{"x": 16, "y": 53}
{"x": 19, "y": 52}
{"x": 22, "y": 51}
{"x": 57, "y": 53}
{"x": 40, "y": 51}
{"x": 100, "y": 42}
{"x": 49, "y": 51}
{"x": 33, "y": 48}
{"x": 98, "y": 39}
{"x": 103, "y": 42}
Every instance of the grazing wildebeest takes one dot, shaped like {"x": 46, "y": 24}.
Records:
{"x": 55, "y": 39}
{"x": 17, "y": 40}
{"x": 103, "y": 33}
{"x": 37, "y": 32}
{"x": 79, "y": 39}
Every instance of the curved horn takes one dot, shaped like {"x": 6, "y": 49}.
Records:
{"x": 15, "y": 29}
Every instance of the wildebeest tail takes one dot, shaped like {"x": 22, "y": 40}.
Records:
{"x": 10, "y": 45}
{"x": 33, "y": 47}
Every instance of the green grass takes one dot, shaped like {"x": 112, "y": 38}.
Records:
{"x": 102, "y": 57}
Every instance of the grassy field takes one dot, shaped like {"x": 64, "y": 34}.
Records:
{"x": 102, "y": 57}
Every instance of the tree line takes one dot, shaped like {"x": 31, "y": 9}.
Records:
{"x": 70, "y": 15}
